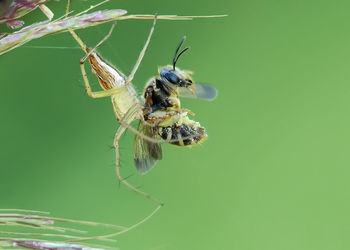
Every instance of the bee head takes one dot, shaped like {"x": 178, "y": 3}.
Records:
{"x": 174, "y": 75}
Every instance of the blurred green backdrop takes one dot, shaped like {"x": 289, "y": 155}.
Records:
{"x": 274, "y": 173}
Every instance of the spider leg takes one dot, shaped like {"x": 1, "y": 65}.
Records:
{"x": 118, "y": 134}
{"x": 142, "y": 53}
{"x": 67, "y": 8}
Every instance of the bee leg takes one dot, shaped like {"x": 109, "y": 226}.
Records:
{"x": 143, "y": 51}
{"x": 119, "y": 133}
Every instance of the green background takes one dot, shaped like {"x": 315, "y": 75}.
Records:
{"x": 274, "y": 172}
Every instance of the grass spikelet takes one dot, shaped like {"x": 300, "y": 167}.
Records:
{"x": 38, "y": 230}
{"x": 78, "y": 21}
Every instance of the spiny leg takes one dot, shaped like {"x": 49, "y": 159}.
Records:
{"x": 129, "y": 116}
{"x": 119, "y": 133}
{"x": 143, "y": 51}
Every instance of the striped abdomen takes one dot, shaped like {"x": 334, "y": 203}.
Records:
{"x": 108, "y": 76}
{"x": 183, "y": 134}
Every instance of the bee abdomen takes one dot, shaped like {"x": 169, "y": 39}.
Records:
{"x": 182, "y": 135}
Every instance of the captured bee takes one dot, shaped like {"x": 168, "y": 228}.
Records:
{"x": 163, "y": 115}
{"x": 160, "y": 114}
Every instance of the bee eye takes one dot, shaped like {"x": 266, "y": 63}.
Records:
{"x": 171, "y": 77}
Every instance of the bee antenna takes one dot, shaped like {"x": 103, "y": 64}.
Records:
{"x": 176, "y": 56}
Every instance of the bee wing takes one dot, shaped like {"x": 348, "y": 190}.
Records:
{"x": 201, "y": 91}
{"x": 146, "y": 153}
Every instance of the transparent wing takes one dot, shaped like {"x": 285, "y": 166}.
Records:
{"x": 201, "y": 91}
{"x": 146, "y": 153}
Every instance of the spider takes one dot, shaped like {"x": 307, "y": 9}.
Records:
{"x": 158, "y": 111}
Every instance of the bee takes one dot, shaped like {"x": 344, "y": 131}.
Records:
{"x": 159, "y": 112}
{"x": 163, "y": 115}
